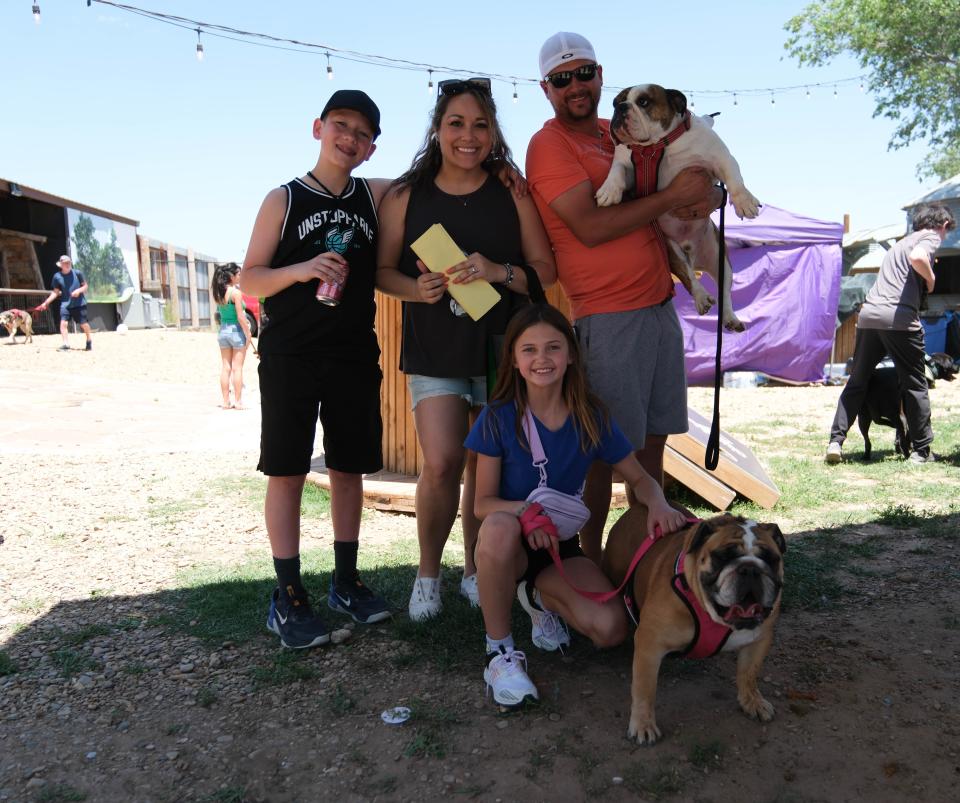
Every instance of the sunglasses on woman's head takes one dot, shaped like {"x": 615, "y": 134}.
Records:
{"x": 454, "y": 86}
{"x": 583, "y": 74}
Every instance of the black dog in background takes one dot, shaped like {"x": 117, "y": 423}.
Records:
{"x": 884, "y": 403}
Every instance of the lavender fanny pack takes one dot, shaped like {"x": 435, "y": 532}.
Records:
{"x": 566, "y": 511}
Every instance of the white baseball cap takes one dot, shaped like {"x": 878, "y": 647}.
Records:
{"x": 63, "y": 259}
{"x": 563, "y": 47}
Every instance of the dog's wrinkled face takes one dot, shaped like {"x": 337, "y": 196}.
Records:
{"x": 739, "y": 569}
{"x": 7, "y": 321}
{"x": 646, "y": 113}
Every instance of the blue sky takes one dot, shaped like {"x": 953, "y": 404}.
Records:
{"x": 113, "y": 110}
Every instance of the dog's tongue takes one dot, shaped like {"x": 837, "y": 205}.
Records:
{"x": 753, "y": 611}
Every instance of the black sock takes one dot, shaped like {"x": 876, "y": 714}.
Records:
{"x": 288, "y": 576}
{"x": 345, "y": 561}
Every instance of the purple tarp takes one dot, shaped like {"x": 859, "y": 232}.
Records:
{"x": 786, "y": 284}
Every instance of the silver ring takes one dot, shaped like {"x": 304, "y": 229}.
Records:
{"x": 473, "y": 268}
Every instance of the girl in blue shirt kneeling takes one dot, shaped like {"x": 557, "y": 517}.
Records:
{"x": 541, "y": 369}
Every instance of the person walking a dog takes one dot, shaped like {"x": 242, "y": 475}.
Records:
{"x": 456, "y": 179}
{"x": 319, "y": 232}
{"x": 889, "y": 323}
{"x": 234, "y": 334}
{"x": 612, "y": 266}
{"x": 69, "y": 286}
{"x": 542, "y": 388}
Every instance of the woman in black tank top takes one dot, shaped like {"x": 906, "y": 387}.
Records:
{"x": 444, "y": 352}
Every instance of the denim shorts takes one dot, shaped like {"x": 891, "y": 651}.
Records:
{"x": 472, "y": 389}
{"x": 231, "y": 336}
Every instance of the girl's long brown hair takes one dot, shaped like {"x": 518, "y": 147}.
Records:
{"x": 589, "y": 413}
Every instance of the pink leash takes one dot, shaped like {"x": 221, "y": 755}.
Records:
{"x": 604, "y": 596}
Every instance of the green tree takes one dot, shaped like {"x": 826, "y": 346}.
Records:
{"x": 102, "y": 265}
{"x": 911, "y": 53}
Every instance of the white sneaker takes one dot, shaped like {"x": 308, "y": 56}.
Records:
{"x": 425, "y": 599}
{"x": 549, "y": 631}
{"x": 506, "y": 675}
{"x": 468, "y": 589}
{"x": 834, "y": 453}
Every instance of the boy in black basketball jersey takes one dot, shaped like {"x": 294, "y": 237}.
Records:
{"x": 321, "y": 227}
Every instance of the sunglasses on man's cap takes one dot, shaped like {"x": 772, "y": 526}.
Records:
{"x": 454, "y": 86}
{"x": 583, "y": 74}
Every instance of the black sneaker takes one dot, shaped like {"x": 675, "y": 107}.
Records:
{"x": 89, "y": 346}
{"x": 295, "y": 622}
{"x": 358, "y": 601}
{"x": 64, "y": 347}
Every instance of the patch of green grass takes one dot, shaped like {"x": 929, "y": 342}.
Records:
{"x": 706, "y": 755}
{"x": 70, "y": 662}
{"x": 809, "y": 574}
{"x": 7, "y": 665}
{"x": 339, "y": 703}
{"x": 432, "y": 725}
{"x": 206, "y": 697}
{"x": 538, "y": 759}
{"x": 31, "y": 605}
{"x": 654, "y": 783}
{"x": 228, "y": 794}
{"x": 315, "y": 503}
{"x": 60, "y": 792}
{"x": 134, "y": 668}
{"x": 285, "y": 666}
{"x": 950, "y": 622}
{"x": 902, "y": 516}
{"x": 427, "y": 742}
{"x": 84, "y": 634}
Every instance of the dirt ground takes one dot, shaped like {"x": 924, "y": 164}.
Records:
{"x": 110, "y": 463}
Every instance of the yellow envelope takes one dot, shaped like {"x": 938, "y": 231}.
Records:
{"x": 438, "y": 251}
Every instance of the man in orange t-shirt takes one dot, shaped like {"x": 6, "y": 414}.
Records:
{"x": 612, "y": 266}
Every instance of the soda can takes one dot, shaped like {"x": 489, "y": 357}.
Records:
{"x": 329, "y": 292}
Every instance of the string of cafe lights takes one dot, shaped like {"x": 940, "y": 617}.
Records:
{"x": 332, "y": 54}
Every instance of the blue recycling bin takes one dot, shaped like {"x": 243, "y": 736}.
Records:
{"x": 935, "y": 332}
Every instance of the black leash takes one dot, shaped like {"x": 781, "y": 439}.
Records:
{"x": 712, "y": 456}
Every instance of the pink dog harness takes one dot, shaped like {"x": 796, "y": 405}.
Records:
{"x": 708, "y": 637}
{"x": 646, "y": 158}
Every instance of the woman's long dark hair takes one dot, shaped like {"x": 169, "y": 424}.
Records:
{"x": 426, "y": 164}
{"x": 222, "y": 274}
{"x": 589, "y": 413}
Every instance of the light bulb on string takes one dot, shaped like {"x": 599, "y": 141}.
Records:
{"x": 329, "y": 69}
{"x": 36, "y": 13}
{"x": 773, "y": 100}
{"x": 515, "y": 98}
{"x": 808, "y": 93}
{"x": 861, "y": 85}
{"x": 199, "y": 47}
{"x": 835, "y": 95}
{"x": 693, "y": 103}
{"x": 429, "y": 82}
{"x": 735, "y": 103}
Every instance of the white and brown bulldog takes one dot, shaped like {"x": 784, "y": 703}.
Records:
{"x": 13, "y": 319}
{"x": 711, "y": 587}
{"x": 643, "y": 116}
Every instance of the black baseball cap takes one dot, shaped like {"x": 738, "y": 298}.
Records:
{"x": 356, "y": 101}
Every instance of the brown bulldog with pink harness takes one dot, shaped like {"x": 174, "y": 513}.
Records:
{"x": 711, "y": 587}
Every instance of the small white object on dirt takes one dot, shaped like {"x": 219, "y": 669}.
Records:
{"x": 396, "y": 716}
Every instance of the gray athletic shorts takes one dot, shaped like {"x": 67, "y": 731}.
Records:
{"x": 634, "y": 362}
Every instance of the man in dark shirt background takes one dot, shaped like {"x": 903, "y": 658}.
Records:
{"x": 69, "y": 286}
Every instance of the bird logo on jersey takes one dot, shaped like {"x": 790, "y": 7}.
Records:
{"x": 338, "y": 240}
